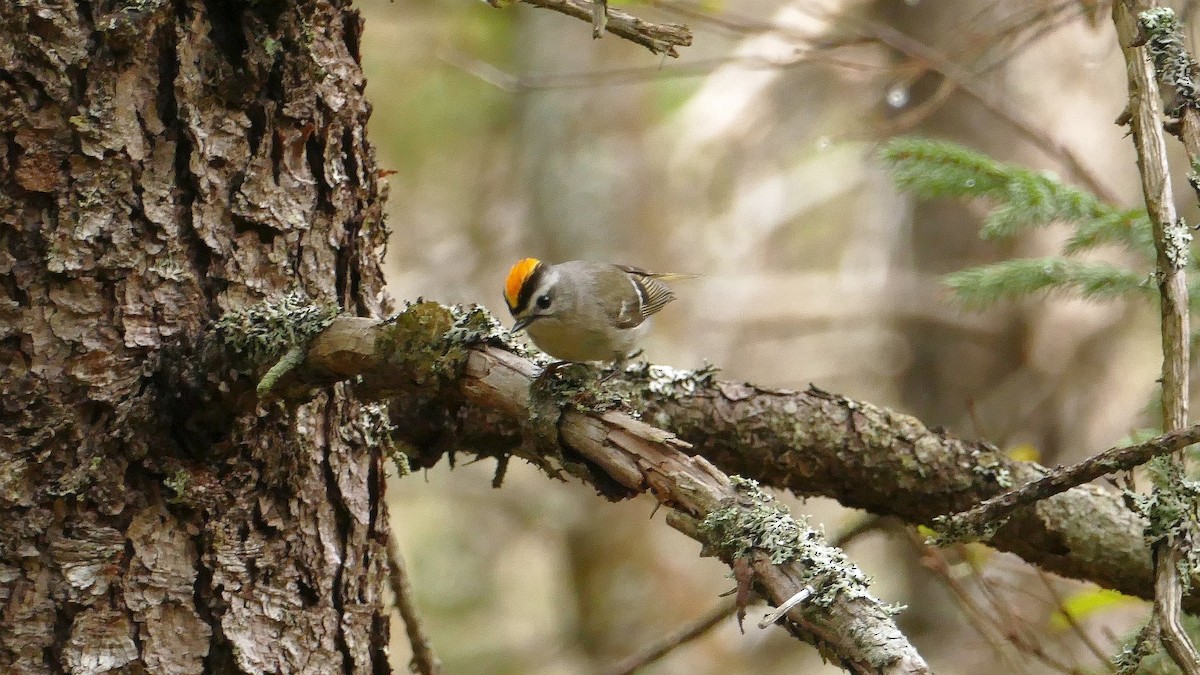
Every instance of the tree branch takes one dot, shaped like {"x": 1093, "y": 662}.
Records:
{"x": 423, "y": 352}
{"x": 1171, "y": 237}
{"x": 985, "y": 518}
{"x": 659, "y": 38}
{"x": 812, "y": 443}
{"x": 424, "y": 660}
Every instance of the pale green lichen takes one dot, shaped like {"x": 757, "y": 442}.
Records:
{"x": 952, "y": 530}
{"x": 373, "y": 425}
{"x": 755, "y": 521}
{"x": 178, "y": 483}
{"x": 1175, "y": 67}
{"x": 1172, "y": 512}
{"x": 264, "y": 332}
{"x": 994, "y": 469}
{"x": 1178, "y": 240}
{"x": 665, "y": 382}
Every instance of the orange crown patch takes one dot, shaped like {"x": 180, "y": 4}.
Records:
{"x": 517, "y": 276}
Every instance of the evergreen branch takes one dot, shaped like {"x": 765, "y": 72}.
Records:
{"x": 1024, "y": 198}
{"x": 1035, "y": 200}
{"x": 1130, "y": 229}
{"x": 979, "y": 287}
{"x": 939, "y": 169}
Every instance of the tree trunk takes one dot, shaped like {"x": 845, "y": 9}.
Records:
{"x": 165, "y": 161}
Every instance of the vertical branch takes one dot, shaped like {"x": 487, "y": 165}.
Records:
{"x": 1171, "y": 242}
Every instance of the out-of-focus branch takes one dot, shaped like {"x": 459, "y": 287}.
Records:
{"x": 424, "y": 660}
{"x": 660, "y": 38}
{"x": 1171, "y": 239}
{"x": 991, "y": 514}
{"x": 660, "y": 648}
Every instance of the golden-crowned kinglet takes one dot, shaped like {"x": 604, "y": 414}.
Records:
{"x": 585, "y": 311}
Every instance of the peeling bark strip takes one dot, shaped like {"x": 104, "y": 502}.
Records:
{"x": 812, "y": 442}
{"x": 163, "y": 161}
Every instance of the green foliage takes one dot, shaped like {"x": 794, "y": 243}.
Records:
{"x": 1026, "y": 199}
{"x": 978, "y": 287}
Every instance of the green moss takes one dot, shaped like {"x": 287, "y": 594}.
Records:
{"x": 416, "y": 339}
{"x": 432, "y": 341}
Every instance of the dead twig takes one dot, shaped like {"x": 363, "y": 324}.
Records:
{"x": 424, "y": 660}
{"x": 660, "y": 38}
{"x": 983, "y": 520}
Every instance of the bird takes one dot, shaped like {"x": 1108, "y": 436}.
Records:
{"x": 581, "y": 310}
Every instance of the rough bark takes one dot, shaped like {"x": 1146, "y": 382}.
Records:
{"x": 164, "y": 161}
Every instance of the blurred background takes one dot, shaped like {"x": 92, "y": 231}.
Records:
{"x": 753, "y": 160}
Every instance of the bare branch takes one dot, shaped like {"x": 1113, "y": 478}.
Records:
{"x": 982, "y": 520}
{"x": 424, "y": 660}
{"x": 660, "y": 38}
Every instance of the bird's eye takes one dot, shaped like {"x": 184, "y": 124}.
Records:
{"x": 543, "y": 301}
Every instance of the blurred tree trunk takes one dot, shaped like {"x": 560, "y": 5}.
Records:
{"x": 164, "y": 162}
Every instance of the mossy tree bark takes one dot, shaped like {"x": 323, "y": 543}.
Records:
{"x": 164, "y": 161}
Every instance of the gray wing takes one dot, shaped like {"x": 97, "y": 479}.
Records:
{"x": 650, "y": 295}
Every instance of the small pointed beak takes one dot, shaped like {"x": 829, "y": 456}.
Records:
{"x": 520, "y": 325}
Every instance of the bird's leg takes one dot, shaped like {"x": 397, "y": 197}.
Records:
{"x": 619, "y": 363}
{"x": 553, "y": 367}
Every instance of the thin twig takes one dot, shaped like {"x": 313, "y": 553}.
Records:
{"x": 655, "y": 651}
{"x": 1069, "y": 616}
{"x": 935, "y": 561}
{"x": 424, "y": 660}
{"x": 1170, "y": 235}
{"x": 967, "y": 82}
{"x": 990, "y": 514}
{"x": 660, "y": 38}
